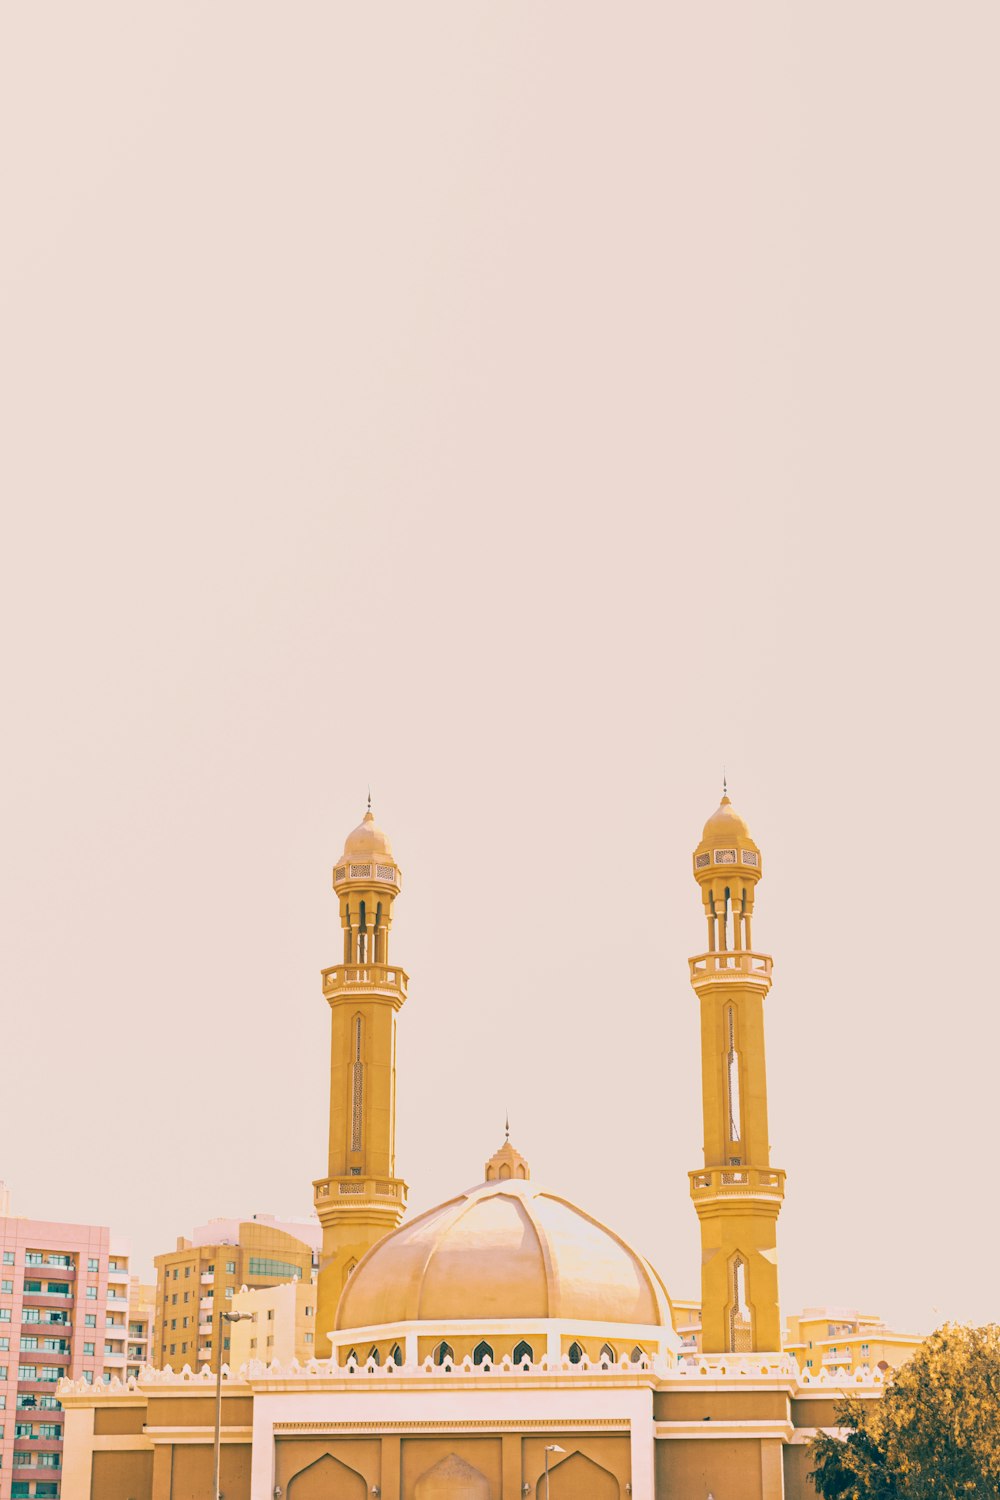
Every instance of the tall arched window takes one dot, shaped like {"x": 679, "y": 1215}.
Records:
{"x": 524, "y": 1354}
{"x": 442, "y": 1352}
{"x": 575, "y": 1354}
{"x": 482, "y": 1354}
{"x": 358, "y": 1085}
{"x": 740, "y": 1317}
{"x": 733, "y": 1075}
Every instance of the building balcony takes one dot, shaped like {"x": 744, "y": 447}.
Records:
{"x": 207, "y": 1304}
{"x": 204, "y": 1354}
{"x": 843, "y": 1361}
{"x": 44, "y": 1268}
{"x": 379, "y": 979}
{"x": 205, "y": 1327}
{"x": 207, "y": 1278}
{"x": 116, "y": 1299}
{"x": 48, "y": 1299}
{"x": 740, "y": 966}
{"x": 737, "y": 1182}
{"x": 119, "y": 1278}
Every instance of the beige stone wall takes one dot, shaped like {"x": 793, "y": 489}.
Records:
{"x": 729, "y": 1468}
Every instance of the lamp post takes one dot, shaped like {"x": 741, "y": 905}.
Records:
{"x": 552, "y": 1448}
{"x": 224, "y": 1318}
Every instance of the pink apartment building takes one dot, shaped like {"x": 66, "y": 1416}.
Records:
{"x": 64, "y": 1310}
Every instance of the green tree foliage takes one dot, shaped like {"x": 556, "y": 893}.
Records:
{"x": 934, "y": 1435}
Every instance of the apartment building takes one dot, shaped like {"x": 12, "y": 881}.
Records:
{"x": 141, "y": 1322}
{"x": 63, "y": 1311}
{"x": 196, "y": 1282}
{"x": 283, "y": 1326}
{"x": 841, "y": 1340}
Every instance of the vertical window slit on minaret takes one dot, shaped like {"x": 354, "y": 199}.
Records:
{"x": 733, "y": 1076}
{"x": 358, "y": 1086}
{"x": 740, "y": 1329}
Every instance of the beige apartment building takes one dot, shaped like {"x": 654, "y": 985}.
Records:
{"x": 141, "y": 1320}
{"x": 196, "y": 1282}
{"x": 841, "y": 1341}
{"x": 283, "y": 1326}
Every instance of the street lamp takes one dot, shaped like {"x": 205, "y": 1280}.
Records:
{"x": 552, "y": 1448}
{"x": 224, "y": 1318}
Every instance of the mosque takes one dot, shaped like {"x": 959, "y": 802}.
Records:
{"x": 504, "y": 1343}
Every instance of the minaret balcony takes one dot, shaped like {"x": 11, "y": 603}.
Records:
{"x": 365, "y": 979}
{"x": 351, "y": 1192}
{"x": 731, "y": 966}
{"x": 737, "y": 1182}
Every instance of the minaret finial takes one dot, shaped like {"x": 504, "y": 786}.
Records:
{"x": 506, "y": 1125}
{"x": 725, "y": 788}
{"x": 369, "y": 796}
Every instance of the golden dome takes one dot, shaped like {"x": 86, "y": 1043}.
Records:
{"x": 726, "y": 840}
{"x": 725, "y": 826}
{"x": 504, "y": 1249}
{"x": 367, "y": 841}
{"x": 367, "y": 857}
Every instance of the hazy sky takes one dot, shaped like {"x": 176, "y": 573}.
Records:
{"x": 526, "y": 408}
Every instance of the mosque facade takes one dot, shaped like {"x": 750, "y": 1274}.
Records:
{"x": 504, "y": 1343}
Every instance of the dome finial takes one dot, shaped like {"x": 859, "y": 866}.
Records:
{"x": 369, "y": 796}
{"x": 506, "y": 1125}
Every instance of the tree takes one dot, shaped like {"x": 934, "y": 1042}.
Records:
{"x": 934, "y": 1435}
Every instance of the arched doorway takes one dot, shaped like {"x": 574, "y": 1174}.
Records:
{"x": 578, "y": 1478}
{"x": 452, "y": 1479}
{"x": 327, "y": 1479}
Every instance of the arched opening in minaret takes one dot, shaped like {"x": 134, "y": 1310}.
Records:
{"x": 523, "y": 1353}
{"x": 575, "y": 1354}
{"x": 396, "y": 1355}
{"x": 740, "y": 1318}
{"x": 444, "y": 1352}
{"x": 733, "y": 1079}
{"x": 482, "y": 1354}
{"x": 608, "y": 1356}
{"x": 378, "y": 955}
{"x": 374, "y": 1358}
{"x": 362, "y": 935}
{"x": 357, "y": 1087}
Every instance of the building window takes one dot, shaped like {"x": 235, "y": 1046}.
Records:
{"x": 8, "y": 1257}
{"x": 230, "y": 1268}
{"x": 575, "y": 1354}
{"x": 637, "y": 1355}
{"x": 261, "y": 1266}
{"x": 482, "y": 1354}
{"x": 90, "y": 1320}
{"x": 4, "y": 1314}
{"x": 608, "y": 1356}
{"x": 88, "y": 1348}
{"x": 307, "y": 1338}
{"x": 91, "y": 1293}
{"x": 93, "y": 1265}
{"x": 523, "y": 1353}
{"x": 444, "y": 1352}
{"x": 187, "y": 1271}
{"x": 6, "y": 1286}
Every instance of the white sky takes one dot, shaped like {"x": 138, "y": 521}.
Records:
{"x": 526, "y": 408}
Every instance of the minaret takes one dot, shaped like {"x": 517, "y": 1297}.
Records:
{"x": 737, "y": 1195}
{"x": 362, "y": 1198}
